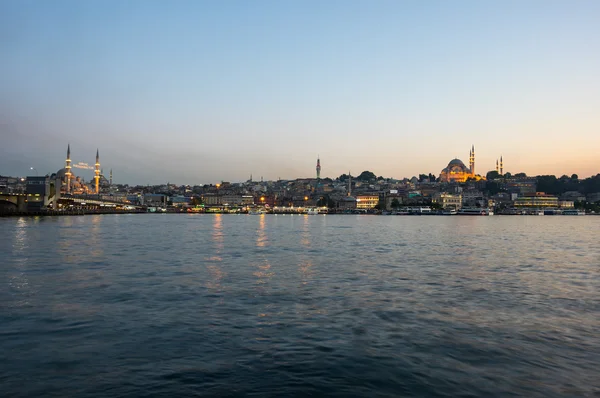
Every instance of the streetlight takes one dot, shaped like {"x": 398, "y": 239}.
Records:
{"x": 36, "y": 172}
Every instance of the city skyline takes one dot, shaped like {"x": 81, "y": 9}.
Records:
{"x": 202, "y": 92}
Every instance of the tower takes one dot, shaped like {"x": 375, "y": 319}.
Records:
{"x": 97, "y": 172}
{"x": 110, "y": 180}
{"x": 68, "y": 168}
{"x": 318, "y": 167}
{"x": 472, "y": 161}
{"x": 497, "y": 168}
{"x": 501, "y": 166}
{"x": 349, "y": 184}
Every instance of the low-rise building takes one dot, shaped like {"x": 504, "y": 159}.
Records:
{"x": 38, "y": 192}
{"x": 539, "y": 200}
{"x": 448, "y": 200}
{"x": 155, "y": 200}
{"x": 367, "y": 201}
{"x": 393, "y": 199}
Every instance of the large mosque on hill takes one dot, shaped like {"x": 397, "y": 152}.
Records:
{"x": 458, "y": 172}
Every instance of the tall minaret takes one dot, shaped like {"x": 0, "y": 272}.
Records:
{"x": 68, "y": 168}
{"x": 97, "y": 172}
{"x": 349, "y": 184}
{"x": 501, "y": 166}
{"x": 110, "y": 181}
{"x": 472, "y": 161}
{"x": 497, "y": 168}
{"x": 318, "y": 167}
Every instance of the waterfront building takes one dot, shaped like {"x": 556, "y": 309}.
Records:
{"x": 448, "y": 200}
{"x": 566, "y": 204}
{"x": 38, "y": 193}
{"x": 367, "y": 201}
{"x": 472, "y": 197}
{"x": 390, "y": 197}
{"x": 347, "y": 203}
{"x": 155, "y": 200}
{"x": 539, "y": 200}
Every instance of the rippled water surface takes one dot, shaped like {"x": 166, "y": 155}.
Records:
{"x": 233, "y": 305}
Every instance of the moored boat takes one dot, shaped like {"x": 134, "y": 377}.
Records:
{"x": 475, "y": 211}
{"x": 573, "y": 212}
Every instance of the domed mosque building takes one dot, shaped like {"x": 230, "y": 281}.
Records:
{"x": 458, "y": 172}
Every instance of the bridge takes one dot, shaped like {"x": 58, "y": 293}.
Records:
{"x": 12, "y": 202}
{"x": 95, "y": 201}
{"x": 16, "y": 203}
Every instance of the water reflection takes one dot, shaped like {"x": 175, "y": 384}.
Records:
{"x": 213, "y": 267}
{"x": 261, "y": 235}
{"x": 97, "y": 249}
{"x": 305, "y": 238}
{"x": 18, "y": 280}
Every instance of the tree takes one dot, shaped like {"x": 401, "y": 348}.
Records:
{"x": 492, "y": 187}
{"x": 366, "y": 176}
{"x": 344, "y": 177}
{"x": 492, "y": 175}
{"x": 395, "y": 203}
{"x": 432, "y": 177}
{"x": 507, "y": 175}
{"x": 575, "y": 177}
{"x": 521, "y": 175}
{"x": 423, "y": 177}
{"x": 325, "y": 200}
{"x": 549, "y": 184}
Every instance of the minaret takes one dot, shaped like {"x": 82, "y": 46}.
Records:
{"x": 472, "y": 161}
{"x": 318, "y": 168}
{"x": 349, "y": 184}
{"x": 68, "y": 168}
{"x": 110, "y": 180}
{"x": 501, "y": 166}
{"x": 97, "y": 172}
{"x": 497, "y": 168}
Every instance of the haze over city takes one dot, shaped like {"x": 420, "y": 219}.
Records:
{"x": 199, "y": 92}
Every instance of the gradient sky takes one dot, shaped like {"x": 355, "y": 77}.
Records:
{"x": 204, "y": 91}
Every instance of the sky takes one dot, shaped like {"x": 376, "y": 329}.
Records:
{"x": 195, "y": 92}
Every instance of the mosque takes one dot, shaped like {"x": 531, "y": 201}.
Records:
{"x": 76, "y": 185}
{"x": 458, "y": 172}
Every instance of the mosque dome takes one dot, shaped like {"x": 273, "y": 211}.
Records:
{"x": 456, "y": 162}
{"x": 457, "y": 171}
{"x": 61, "y": 173}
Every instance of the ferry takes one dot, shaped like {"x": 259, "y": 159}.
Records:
{"x": 449, "y": 212}
{"x": 475, "y": 211}
{"x": 312, "y": 212}
{"x": 256, "y": 212}
{"x": 573, "y": 212}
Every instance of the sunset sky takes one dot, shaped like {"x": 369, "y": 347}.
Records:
{"x": 204, "y": 91}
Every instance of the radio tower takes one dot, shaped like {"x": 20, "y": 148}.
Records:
{"x": 318, "y": 168}
{"x": 68, "y": 168}
{"x": 97, "y": 172}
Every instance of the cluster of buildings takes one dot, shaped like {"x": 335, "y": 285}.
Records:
{"x": 458, "y": 186}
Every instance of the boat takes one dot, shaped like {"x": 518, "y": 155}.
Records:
{"x": 256, "y": 212}
{"x": 312, "y": 211}
{"x": 475, "y": 211}
{"x": 449, "y": 212}
{"x": 573, "y": 212}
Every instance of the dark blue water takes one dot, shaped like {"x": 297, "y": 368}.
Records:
{"x": 233, "y": 305}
